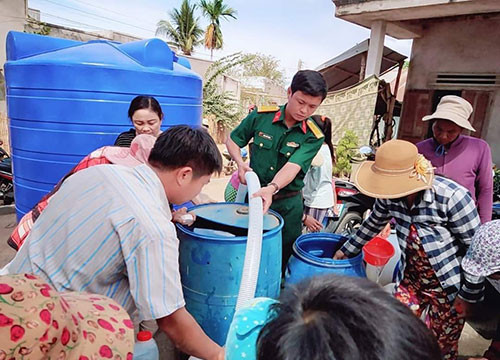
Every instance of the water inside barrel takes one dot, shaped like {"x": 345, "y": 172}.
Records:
{"x": 203, "y": 226}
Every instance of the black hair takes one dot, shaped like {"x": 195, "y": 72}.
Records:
{"x": 309, "y": 82}
{"x": 185, "y": 146}
{"x": 144, "y": 102}
{"x": 325, "y": 124}
{"x": 343, "y": 318}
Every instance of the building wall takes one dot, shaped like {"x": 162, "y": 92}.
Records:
{"x": 63, "y": 32}
{"x": 12, "y": 17}
{"x": 460, "y": 45}
{"x": 199, "y": 66}
{"x": 231, "y": 85}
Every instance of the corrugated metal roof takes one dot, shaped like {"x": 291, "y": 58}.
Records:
{"x": 343, "y": 70}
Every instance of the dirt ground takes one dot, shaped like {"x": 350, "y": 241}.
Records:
{"x": 470, "y": 342}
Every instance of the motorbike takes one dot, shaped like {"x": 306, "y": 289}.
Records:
{"x": 352, "y": 206}
{"x": 6, "y": 184}
{"x": 231, "y": 166}
{"x": 496, "y": 211}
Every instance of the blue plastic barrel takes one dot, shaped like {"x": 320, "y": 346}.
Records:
{"x": 67, "y": 98}
{"x": 313, "y": 255}
{"x": 212, "y": 253}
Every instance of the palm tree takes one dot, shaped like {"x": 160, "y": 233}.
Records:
{"x": 185, "y": 31}
{"x": 214, "y": 10}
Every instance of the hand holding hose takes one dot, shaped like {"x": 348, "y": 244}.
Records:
{"x": 242, "y": 170}
{"x": 266, "y": 193}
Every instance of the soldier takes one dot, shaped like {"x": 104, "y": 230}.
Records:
{"x": 285, "y": 140}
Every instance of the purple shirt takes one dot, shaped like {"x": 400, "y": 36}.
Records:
{"x": 468, "y": 162}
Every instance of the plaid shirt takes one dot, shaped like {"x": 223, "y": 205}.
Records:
{"x": 445, "y": 217}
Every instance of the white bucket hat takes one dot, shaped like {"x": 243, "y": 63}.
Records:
{"x": 455, "y": 109}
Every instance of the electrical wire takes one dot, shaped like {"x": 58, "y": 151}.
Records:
{"x": 98, "y": 16}
{"x": 111, "y": 10}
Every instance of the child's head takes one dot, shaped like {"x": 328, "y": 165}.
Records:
{"x": 325, "y": 124}
{"x": 344, "y": 318}
{"x": 190, "y": 155}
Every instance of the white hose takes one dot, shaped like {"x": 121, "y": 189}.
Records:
{"x": 253, "y": 251}
{"x": 254, "y": 243}
{"x": 242, "y": 192}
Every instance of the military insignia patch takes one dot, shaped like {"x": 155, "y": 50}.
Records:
{"x": 292, "y": 144}
{"x": 265, "y": 136}
{"x": 315, "y": 129}
{"x": 268, "y": 108}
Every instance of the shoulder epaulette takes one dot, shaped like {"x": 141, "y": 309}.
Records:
{"x": 268, "y": 108}
{"x": 315, "y": 129}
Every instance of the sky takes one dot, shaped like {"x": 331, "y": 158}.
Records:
{"x": 289, "y": 30}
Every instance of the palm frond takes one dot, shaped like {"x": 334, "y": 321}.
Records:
{"x": 183, "y": 28}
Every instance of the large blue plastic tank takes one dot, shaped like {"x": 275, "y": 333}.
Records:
{"x": 67, "y": 98}
{"x": 313, "y": 255}
{"x": 212, "y": 253}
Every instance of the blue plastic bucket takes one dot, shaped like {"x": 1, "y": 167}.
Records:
{"x": 313, "y": 255}
{"x": 212, "y": 253}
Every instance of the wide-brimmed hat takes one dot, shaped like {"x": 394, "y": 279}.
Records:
{"x": 37, "y": 322}
{"x": 398, "y": 170}
{"x": 455, "y": 109}
{"x": 136, "y": 154}
{"x": 483, "y": 256}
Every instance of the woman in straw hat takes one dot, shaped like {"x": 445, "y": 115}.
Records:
{"x": 464, "y": 159}
{"x": 37, "y": 322}
{"x": 435, "y": 222}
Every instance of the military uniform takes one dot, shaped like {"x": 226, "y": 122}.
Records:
{"x": 274, "y": 144}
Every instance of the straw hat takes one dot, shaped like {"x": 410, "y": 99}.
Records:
{"x": 455, "y": 109}
{"x": 398, "y": 170}
{"x": 37, "y": 322}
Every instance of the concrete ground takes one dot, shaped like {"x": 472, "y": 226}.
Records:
{"x": 471, "y": 343}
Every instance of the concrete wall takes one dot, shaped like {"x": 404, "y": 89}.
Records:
{"x": 199, "y": 66}
{"x": 460, "y": 45}
{"x": 464, "y": 46}
{"x": 63, "y": 32}
{"x": 12, "y": 17}
{"x": 493, "y": 132}
{"x": 231, "y": 85}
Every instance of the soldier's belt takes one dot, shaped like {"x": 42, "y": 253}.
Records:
{"x": 285, "y": 195}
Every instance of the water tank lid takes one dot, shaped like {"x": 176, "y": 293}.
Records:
{"x": 233, "y": 214}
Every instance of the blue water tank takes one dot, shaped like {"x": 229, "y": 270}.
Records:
{"x": 212, "y": 253}
{"x": 67, "y": 98}
{"x": 313, "y": 255}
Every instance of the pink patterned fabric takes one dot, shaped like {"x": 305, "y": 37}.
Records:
{"x": 37, "y": 322}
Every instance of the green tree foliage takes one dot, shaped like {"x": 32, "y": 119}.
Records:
{"x": 346, "y": 149}
{"x": 183, "y": 29}
{"x": 262, "y": 65}
{"x": 496, "y": 185}
{"x": 214, "y": 10}
{"x": 222, "y": 105}
{"x": 37, "y": 27}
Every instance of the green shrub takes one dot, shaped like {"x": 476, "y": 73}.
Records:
{"x": 346, "y": 149}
